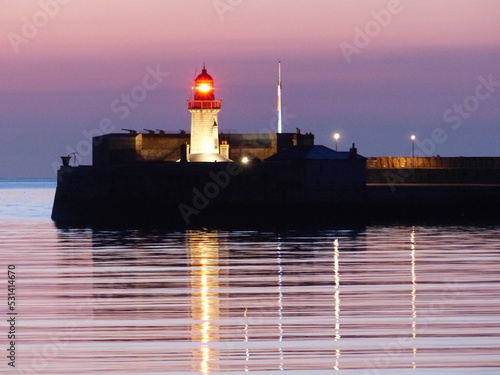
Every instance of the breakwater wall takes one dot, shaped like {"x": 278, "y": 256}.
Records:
{"x": 277, "y": 193}
{"x": 433, "y": 170}
{"x": 184, "y": 194}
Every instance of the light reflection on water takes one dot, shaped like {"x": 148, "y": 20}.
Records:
{"x": 374, "y": 300}
{"x": 380, "y": 298}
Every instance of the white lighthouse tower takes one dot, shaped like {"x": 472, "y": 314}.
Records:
{"x": 204, "y": 146}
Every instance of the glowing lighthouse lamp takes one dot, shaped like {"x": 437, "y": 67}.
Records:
{"x": 204, "y": 110}
{"x": 204, "y": 88}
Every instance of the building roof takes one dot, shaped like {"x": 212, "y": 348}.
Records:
{"x": 311, "y": 153}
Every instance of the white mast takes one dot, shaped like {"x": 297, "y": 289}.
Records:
{"x": 280, "y": 124}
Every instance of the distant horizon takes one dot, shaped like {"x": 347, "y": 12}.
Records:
{"x": 374, "y": 73}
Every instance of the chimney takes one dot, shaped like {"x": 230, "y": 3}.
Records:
{"x": 353, "y": 152}
{"x": 184, "y": 153}
{"x": 65, "y": 160}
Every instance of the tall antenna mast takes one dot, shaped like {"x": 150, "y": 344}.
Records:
{"x": 280, "y": 124}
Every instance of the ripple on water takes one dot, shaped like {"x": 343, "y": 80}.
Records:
{"x": 397, "y": 299}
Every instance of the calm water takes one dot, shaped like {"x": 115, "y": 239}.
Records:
{"x": 376, "y": 300}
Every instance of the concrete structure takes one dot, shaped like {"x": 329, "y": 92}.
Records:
{"x": 264, "y": 179}
{"x": 130, "y": 148}
{"x": 201, "y": 145}
{"x": 433, "y": 170}
{"x": 122, "y": 149}
{"x": 309, "y": 183}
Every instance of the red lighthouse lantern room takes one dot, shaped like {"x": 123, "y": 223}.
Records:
{"x": 204, "y": 86}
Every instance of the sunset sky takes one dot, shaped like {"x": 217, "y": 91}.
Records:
{"x": 373, "y": 71}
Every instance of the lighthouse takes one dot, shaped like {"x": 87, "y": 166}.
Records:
{"x": 204, "y": 146}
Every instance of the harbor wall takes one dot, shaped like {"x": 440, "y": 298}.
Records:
{"x": 434, "y": 162}
{"x": 188, "y": 193}
{"x": 267, "y": 193}
{"x": 130, "y": 148}
{"x": 433, "y": 170}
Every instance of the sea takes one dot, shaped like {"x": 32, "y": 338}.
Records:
{"x": 398, "y": 299}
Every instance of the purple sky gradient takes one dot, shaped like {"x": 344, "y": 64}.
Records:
{"x": 430, "y": 55}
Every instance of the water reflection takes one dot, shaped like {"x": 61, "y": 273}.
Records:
{"x": 205, "y": 254}
{"x": 383, "y": 299}
{"x": 337, "y": 301}
{"x": 413, "y": 294}
{"x": 280, "y": 306}
{"x": 210, "y": 301}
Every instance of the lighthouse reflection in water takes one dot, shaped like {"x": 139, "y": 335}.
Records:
{"x": 292, "y": 311}
{"x": 205, "y": 254}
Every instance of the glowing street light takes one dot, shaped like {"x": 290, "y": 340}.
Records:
{"x": 245, "y": 160}
{"x": 336, "y": 136}
{"x": 413, "y": 150}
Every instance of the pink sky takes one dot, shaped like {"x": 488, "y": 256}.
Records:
{"x": 428, "y": 57}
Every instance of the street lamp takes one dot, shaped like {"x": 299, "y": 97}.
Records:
{"x": 413, "y": 150}
{"x": 336, "y": 136}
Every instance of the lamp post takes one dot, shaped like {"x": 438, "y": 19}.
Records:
{"x": 336, "y": 136}
{"x": 413, "y": 150}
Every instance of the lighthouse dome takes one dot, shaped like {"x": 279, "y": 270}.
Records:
{"x": 204, "y": 86}
{"x": 204, "y": 76}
